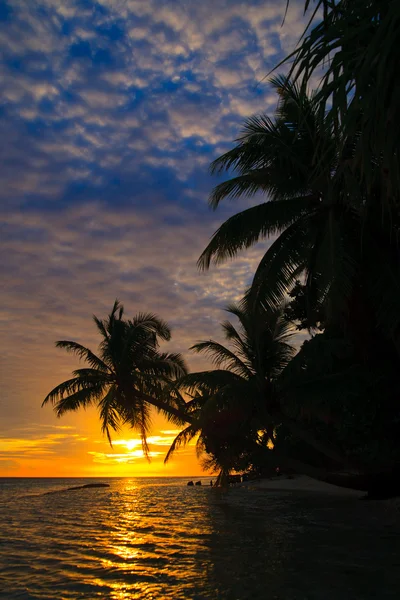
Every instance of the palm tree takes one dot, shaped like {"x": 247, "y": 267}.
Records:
{"x": 218, "y": 443}
{"x": 328, "y": 235}
{"x": 308, "y": 206}
{"x": 216, "y": 417}
{"x": 236, "y": 405}
{"x": 356, "y": 43}
{"x": 250, "y": 402}
{"x": 127, "y": 377}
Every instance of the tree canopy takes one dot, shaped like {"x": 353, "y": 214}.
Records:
{"x": 127, "y": 377}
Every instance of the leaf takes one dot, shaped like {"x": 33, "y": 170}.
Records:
{"x": 183, "y": 438}
{"x": 83, "y": 353}
{"x": 222, "y": 356}
{"x": 247, "y": 227}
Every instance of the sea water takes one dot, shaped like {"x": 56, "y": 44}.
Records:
{"x": 149, "y": 538}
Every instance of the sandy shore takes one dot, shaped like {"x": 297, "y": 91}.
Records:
{"x": 301, "y": 483}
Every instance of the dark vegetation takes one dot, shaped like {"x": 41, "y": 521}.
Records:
{"x": 324, "y": 174}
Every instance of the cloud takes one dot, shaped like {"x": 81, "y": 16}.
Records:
{"x": 129, "y": 451}
{"x": 111, "y": 114}
{"x": 8, "y": 465}
{"x": 37, "y": 447}
{"x": 122, "y": 458}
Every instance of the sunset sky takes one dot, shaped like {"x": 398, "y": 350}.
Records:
{"x": 110, "y": 114}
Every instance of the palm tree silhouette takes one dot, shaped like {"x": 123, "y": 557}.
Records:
{"x": 127, "y": 377}
{"x": 240, "y": 404}
{"x": 233, "y": 406}
{"x": 293, "y": 159}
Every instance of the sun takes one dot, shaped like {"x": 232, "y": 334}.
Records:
{"x": 130, "y": 444}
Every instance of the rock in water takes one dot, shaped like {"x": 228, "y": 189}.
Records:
{"x": 81, "y": 487}
{"x": 92, "y": 485}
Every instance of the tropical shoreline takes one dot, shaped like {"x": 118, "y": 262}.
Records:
{"x": 304, "y": 484}
{"x": 301, "y": 483}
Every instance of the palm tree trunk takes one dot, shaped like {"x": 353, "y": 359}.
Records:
{"x": 222, "y": 479}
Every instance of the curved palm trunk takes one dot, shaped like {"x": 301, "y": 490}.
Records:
{"x": 222, "y": 479}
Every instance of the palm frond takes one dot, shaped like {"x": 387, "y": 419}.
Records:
{"x": 82, "y": 398}
{"x": 280, "y": 156}
{"x": 357, "y": 43}
{"x": 222, "y": 356}
{"x": 151, "y": 324}
{"x": 239, "y": 158}
{"x": 178, "y": 398}
{"x": 248, "y": 184}
{"x": 94, "y": 373}
{"x": 68, "y": 387}
{"x": 168, "y": 365}
{"x": 163, "y": 397}
{"x": 110, "y": 417}
{"x": 209, "y": 382}
{"x": 239, "y": 342}
{"x": 100, "y": 324}
{"x": 183, "y": 438}
{"x": 245, "y": 228}
{"x": 281, "y": 265}
{"x": 83, "y": 353}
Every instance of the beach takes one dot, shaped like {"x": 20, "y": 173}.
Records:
{"x": 302, "y": 483}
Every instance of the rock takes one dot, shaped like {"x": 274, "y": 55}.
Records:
{"x": 92, "y": 485}
{"x": 190, "y": 483}
{"x": 81, "y": 487}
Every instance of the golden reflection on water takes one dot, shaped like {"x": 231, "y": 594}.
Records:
{"x": 165, "y": 542}
{"x": 125, "y": 535}
{"x": 154, "y": 539}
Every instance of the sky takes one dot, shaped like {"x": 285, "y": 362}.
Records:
{"x": 110, "y": 114}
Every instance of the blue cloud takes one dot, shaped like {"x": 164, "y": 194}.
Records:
{"x": 5, "y": 11}
{"x": 111, "y": 113}
{"x": 80, "y": 49}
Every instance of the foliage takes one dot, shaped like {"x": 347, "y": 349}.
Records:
{"x": 317, "y": 220}
{"x": 299, "y": 310}
{"x": 332, "y": 235}
{"x": 328, "y": 165}
{"x": 127, "y": 376}
{"x": 356, "y": 46}
{"x": 347, "y": 397}
{"x": 231, "y": 405}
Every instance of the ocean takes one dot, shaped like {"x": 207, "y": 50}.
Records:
{"x": 149, "y": 538}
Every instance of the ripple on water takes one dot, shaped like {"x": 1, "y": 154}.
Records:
{"x": 142, "y": 540}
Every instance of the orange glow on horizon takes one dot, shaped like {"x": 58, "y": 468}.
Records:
{"x": 77, "y": 449}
